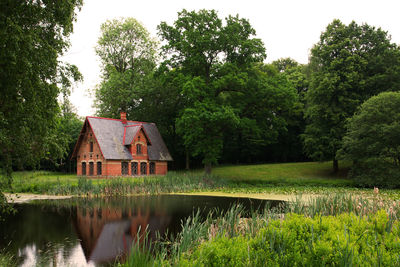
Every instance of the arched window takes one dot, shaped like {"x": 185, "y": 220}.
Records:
{"x": 134, "y": 168}
{"x": 99, "y": 168}
{"x": 138, "y": 149}
{"x": 91, "y": 168}
{"x": 152, "y": 168}
{"x": 83, "y": 168}
{"x": 143, "y": 168}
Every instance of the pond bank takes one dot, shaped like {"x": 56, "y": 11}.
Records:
{"x": 26, "y": 197}
{"x": 263, "y": 196}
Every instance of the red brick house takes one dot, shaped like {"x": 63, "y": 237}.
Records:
{"x": 115, "y": 147}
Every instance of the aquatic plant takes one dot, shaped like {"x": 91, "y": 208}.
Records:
{"x": 337, "y": 229}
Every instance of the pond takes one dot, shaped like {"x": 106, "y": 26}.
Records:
{"x": 93, "y": 232}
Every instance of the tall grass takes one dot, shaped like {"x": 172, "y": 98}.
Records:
{"x": 236, "y": 224}
{"x": 286, "y": 178}
{"x": 172, "y": 182}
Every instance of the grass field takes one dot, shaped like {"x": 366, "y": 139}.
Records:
{"x": 302, "y": 173}
{"x": 286, "y": 178}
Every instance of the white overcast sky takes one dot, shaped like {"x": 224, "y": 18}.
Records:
{"x": 288, "y": 28}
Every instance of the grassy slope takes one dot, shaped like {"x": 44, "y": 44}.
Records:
{"x": 286, "y": 178}
{"x": 302, "y": 173}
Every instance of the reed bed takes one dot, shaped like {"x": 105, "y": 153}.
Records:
{"x": 337, "y": 229}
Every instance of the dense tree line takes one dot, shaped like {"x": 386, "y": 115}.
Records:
{"x": 32, "y": 37}
{"x": 215, "y": 100}
{"x": 205, "y": 85}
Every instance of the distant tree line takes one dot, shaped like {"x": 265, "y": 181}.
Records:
{"x": 215, "y": 101}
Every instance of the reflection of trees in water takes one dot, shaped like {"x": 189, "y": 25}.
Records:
{"x": 107, "y": 231}
{"x": 102, "y": 224}
{"x": 37, "y": 231}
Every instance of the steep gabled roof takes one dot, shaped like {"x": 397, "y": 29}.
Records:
{"x": 109, "y": 134}
{"x": 131, "y": 131}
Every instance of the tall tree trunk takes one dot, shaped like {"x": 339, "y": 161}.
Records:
{"x": 335, "y": 166}
{"x": 207, "y": 168}
{"x": 187, "y": 159}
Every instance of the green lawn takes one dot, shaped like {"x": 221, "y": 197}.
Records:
{"x": 302, "y": 173}
{"x": 287, "y": 178}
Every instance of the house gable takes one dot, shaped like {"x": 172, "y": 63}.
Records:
{"x": 112, "y": 147}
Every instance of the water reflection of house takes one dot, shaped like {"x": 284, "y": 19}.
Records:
{"x": 106, "y": 233}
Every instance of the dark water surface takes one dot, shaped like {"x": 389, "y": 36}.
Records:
{"x": 92, "y": 232}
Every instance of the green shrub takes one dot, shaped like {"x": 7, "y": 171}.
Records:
{"x": 372, "y": 141}
{"x": 375, "y": 172}
{"x": 343, "y": 240}
{"x": 222, "y": 251}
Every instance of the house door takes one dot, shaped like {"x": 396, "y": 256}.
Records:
{"x": 124, "y": 168}
{"x": 83, "y": 168}
{"x": 143, "y": 168}
{"x": 91, "y": 168}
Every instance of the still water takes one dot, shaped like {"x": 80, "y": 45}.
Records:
{"x": 93, "y": 232}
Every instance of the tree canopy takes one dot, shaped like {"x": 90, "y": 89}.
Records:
{"x": 128, "y": 56}
{"x": 372, "y": 140}
{"x": 33, "y": 34}
{"x": 349, "y": 64}
{"x": 213, "y": 57}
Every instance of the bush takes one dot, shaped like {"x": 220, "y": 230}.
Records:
{"x": 343, "y": 240}
{"x": 375, "y": 172}
{"x": 372, "y": 141}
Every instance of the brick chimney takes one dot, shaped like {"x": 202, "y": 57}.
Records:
{"x": 123, "y": 117}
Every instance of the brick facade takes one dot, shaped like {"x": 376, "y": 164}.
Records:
{"x": 89, "y": 156}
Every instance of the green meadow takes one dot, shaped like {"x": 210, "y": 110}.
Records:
{"x": 282, "y": 178}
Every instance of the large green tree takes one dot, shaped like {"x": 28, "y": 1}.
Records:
{"x": 63, "y": 139}
{"x": 212, "y": 55}
{"x": 128, "y": 57}
{"x": 264, "y": 107}
{"x": 33, "y": 34}
{"x": 350, "y": 64}
{"x": 289, "y": 146}
{"x": 372, "y": 141}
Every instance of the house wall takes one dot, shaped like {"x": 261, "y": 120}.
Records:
{"x": 161, "y": 167}
{"x": 113, "y": 167}
{"x": 84, "y": 154}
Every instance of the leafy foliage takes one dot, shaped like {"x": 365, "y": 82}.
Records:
{"x": 226, "y": 93}
{"x": 372, "y": 141}
{"x": 128, "y": 56}
{"x": 349, "y": 64}
{"x": 33, "y": 34}
{"x": 342, "y": 240}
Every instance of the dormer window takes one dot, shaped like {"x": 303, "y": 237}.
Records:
{"x": 138, "y": 149}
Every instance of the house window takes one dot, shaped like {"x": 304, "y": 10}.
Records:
{"x": 134, "y": 166}
{"x": 152, "y": 168}
{"x": 99, "y": 168}
{"x": 124, "y": 168}
{"x": 91, "y": 168}
{"x": 91, "y": 146}
{"x": 83, "y": 168}
{"x": 143, "y": 168}
{"x": 138, "y": 149}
